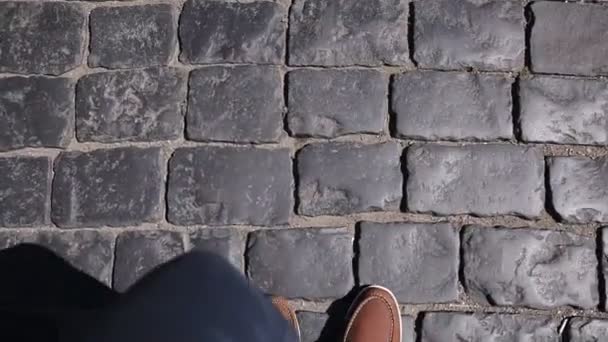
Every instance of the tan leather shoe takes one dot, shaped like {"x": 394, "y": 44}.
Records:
{"x": 287, "y": 312}
{"x": 374, "y": 317}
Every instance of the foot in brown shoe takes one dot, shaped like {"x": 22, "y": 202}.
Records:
{"x": 287, "y": 312}
{"x": 374, "y": 317}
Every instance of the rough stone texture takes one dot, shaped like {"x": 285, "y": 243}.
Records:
{"x": 579, "y": 188}
{"x": 478, "y": 179}
{"x": 556, "y": 48}
{"x": 408, "y": 329}
{"x": 342, "y": 178}
{"x": 532, "y": 268}
{"x": 481, "y": 34}
{"x": 34, "y": 40}
{"x": 331, "y": 103}
{"x": 418, "y": 262}
{"x": 113, "y": 187}
{"x": 304, "y": 271}
{"x": 35, "y": 112}
{"x": 230, "y": 185}
{"x": 25, "y": 185}
{"x": 448, "y": 326}
{"x": 209, "y": 32}
{"x": 348, "y": 32}
{"x": 311, "y": 325}
{"x": 587, "y": 330}
{"x": 131, "y": 105}
{"x": 229, "y": 243}
{"x": 132, "y": 36}
{"x": 239, "y": 104}
{"x": 138, "y": 252}
{"x": 452, "y": 106}
{"x": 564, "y": 110}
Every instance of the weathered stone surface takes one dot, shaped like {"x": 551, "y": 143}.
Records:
{"x": 418, "y": 262}
{"x": 408, "y": 329}
{"x": 132, "y": 36}
{"x": 315, "y": 263}
{"x": 229, "y": 243}
{"x": 138, "y": 252}
{"x": 113, "y": 187}
{"x": 25, "y": 186}
{"x": 232, "y": 32}
{"x": 555, "y": 48}
{"x": 481, "y": 34}
{"x": 579, "y": 188}
{"x": 238, "y": 104}
{"x": 41, "y": 37}
{"x": 448, "y": 326}
{"x": 230, "y": 185}
{"x": 452, "y": 106}
{"x": 478, "y": 179}
{"x": 331, "y": 103}
{"x": 35, "y": 112}
{"x": 132, "y": 105}
{"x": 348, "y": 32}
{"x": 311, "y": 325}
{"x": 587, "y": 330}
{"x": 532, "y": 268}
{"x": 564, "y": 110}
{"x": 342, "y": 178}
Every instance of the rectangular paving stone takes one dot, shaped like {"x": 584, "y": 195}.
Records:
{"x": 587, "y": 330}
{"x": 311, "y": 325}
{"x": 348, "y": 32}
{"x": 35, "y": 112}
{"x": 471, "y": 106}
{"x": 532, "y": 268}
{"x": 139, "y": 252}
{"x": 208, "y": 33}
{"x": 564, "y": 110}
{"x": 107, "y": 187}
{"x": 315, "y": 263}
{"x": 331, "y": 103}
{"x": 25, "y": 191}
{"x": 229, "y": 243}
{"x": 555, "y": 48}
{"x": 41, "y": 37}
{"x": 131, "y": 105}
{"x": 230, "y": 185}
{"x": 132, "y": 36}
{"x": 452, "y": 326}
{"x": 343, "y": 178}
{"x": 418, "y": 262}
{"x": 482, "y": 180}
{"x": 236, "y": 104}
{"x": 579, "y": 188}
{"x": 479, "y": 34}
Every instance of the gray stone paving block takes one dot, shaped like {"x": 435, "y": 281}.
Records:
{"x": 132, "y": 36}
{"x": 131, "y": 105}
{"x": 408, "y": 329}
{"x": 343, "y": 178}
{"x": 209, "y": 32}
{"x": 348, "y": 32}
{"x": 579, "y": 188}
{"x": 25, "y": 185}
{"x": 34, "y": 40}
{"x": 564, "y": 110}
{"x": 555, "y": 48}
{"x": 418, "y": 262}
{"x": 449, "y": 326}
{"x": 230, "y": 185}
{"x": 311, "y": 325}
{"x": 238, "y": 104}
{"x": 452, "y": 106}
{"x": 113, "y": 187}
{"x": 139, "y": 252}
{"x": 314, "y": 263}
{"x": 35, "y": 112}
{"x": 531, "y": 268}
{"x": 482, "y": 34}
{"x": 481, "y": 180}
{"x": 331, "y": 103}
{"x": 229, "y": 243}
{"x": 587, "y": 330}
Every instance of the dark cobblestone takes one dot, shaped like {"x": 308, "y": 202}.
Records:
{"x": 311, "y": 325}
{"x": 587, "y": 330}
{"x": 229, "y": 243}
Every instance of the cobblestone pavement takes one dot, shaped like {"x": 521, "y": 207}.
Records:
{"x": 454, "y": 151}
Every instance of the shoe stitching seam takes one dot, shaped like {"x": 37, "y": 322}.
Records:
{"x": 360, "y": 307}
